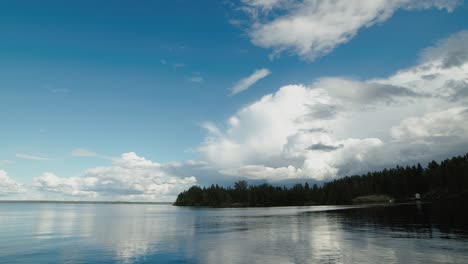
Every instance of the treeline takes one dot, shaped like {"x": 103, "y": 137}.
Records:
{"x": 449, "y": 178}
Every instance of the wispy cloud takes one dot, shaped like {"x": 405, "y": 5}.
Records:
{"x": 196, "y": 79}
{"x": 178, "y": 65}
{"x": 245, "y": 83}
{"x": 82, "y": 152}
{"x": 60, "y": 91}
{"x": 31, "y": 157}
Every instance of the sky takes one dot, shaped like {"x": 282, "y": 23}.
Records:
{"x": 138, "y": 101}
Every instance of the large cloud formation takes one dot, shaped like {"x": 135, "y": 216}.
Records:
{"x": 333, "y": 127}
{"x": 8, "y": 186}
{"x": 311, "y": 28}
{"x": 338, "y": 126}
{"x": 129, "y": 177}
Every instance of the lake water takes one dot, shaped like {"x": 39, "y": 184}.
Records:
{"x": 139, "y": 233}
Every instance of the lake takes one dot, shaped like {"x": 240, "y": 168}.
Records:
{"x": 146, "y": 233}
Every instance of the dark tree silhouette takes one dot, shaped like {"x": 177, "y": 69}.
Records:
{"x": 436, "y": 181}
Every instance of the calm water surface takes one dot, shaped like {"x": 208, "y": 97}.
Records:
{"x": 136, "y": 233}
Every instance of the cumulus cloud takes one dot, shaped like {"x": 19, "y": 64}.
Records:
{"x": 333, "y": 127}
{"x": 75, "y": 186}
{"x": 245, "y": 83}
{"x": 338, "y": 126}
{"x": 129, "y": 177}
{"x": 267, "y": 130}
{"x": 312, "y": 28}
{"x": 271, "y": 138}
{"x": 452, "y": 122}
{"x": 316, "y": 165}
{"x": 8, "y": 186}
{"x": 82, "y": 152}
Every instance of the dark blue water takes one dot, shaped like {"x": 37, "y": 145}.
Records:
{"x": 134, "y": 233}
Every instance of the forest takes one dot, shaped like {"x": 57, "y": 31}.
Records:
{"x": 447, "y": 179}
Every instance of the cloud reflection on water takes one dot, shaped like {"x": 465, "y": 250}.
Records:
{"x": 156, "y": 233}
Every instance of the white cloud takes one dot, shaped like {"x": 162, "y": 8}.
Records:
{"x": 8, "y": 186}
{"x": 31, "y": 157}
{"x": 316, "y": 165}
{"x": 442, "y": 71}
{"x": 452, "y": 122}
{"x": 338, "y": 126}
{"x": 312, "y": 28}
{"x": 81, "y": 152}
{"x": 333, "y": 127}
{"x": 129, "y": 177}
{"x": 245, "y": 83}
{"x": 196, "y": 79}
{"x": 211, "y": 128}
{"x": 271, "y": 138}
{"x": 75, "y": 186}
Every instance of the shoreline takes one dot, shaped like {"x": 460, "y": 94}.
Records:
{"x": 82, "y": 202}
{"x": 354, "y": 205}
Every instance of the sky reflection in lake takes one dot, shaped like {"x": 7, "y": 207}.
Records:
{"x": 129, "y": 233}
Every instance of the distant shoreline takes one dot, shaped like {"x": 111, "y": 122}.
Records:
{"x": 82, "y": 202}
{"x": 357, "y": 205}
{"x": 447, "y": 180}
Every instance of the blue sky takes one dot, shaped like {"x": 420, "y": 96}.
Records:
{"x": 153, "y": 78}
